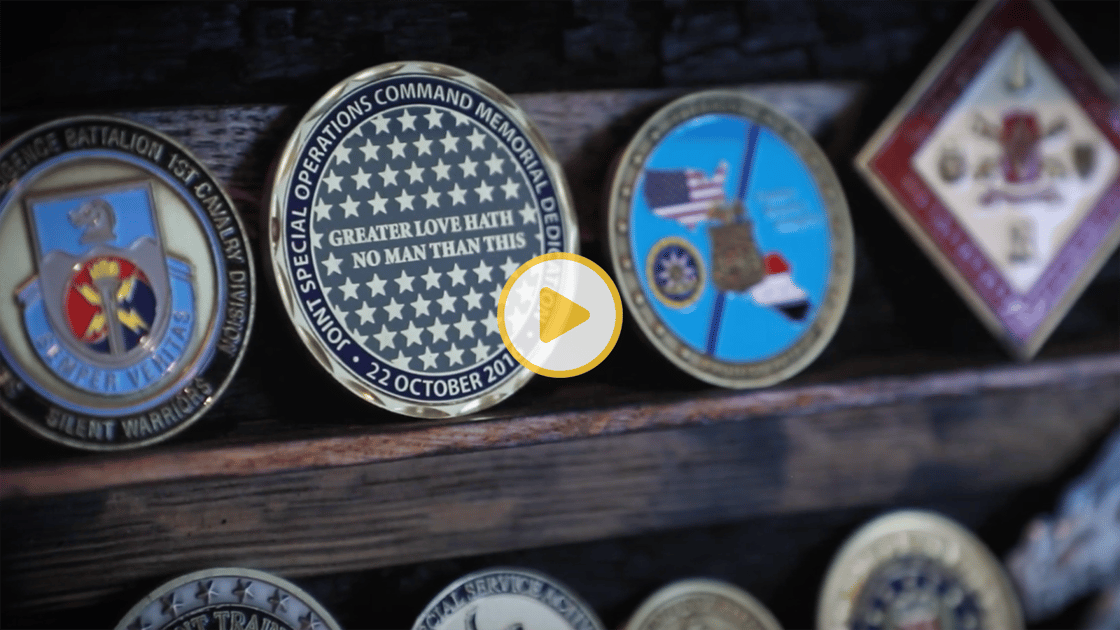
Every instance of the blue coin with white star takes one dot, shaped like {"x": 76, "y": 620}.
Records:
{"x": 403, "y": 201}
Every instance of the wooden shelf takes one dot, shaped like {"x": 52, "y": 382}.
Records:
{"x": 406, "y": 493}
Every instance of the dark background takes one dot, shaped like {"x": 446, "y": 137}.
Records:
{"x": 60, "y": 58}
{"x": 95, "y": 55}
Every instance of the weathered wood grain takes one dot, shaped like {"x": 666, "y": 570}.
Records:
{"x": 711, "y": 461}
{"x": 373, "y": 444}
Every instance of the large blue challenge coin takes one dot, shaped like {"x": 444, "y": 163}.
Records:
{"x": 403, "y": 201}
{"x": 730, "y": 239}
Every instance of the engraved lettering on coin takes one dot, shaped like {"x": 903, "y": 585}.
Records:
{"x": 506, "y": 599}
{"x": 132, "y": 292}
{"x": 410, "y": 199}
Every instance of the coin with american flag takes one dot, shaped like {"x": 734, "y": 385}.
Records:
{"x": 402, "y": 203}
{"x": 730, "y": 239}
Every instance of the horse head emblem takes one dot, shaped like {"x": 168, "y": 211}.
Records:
{"x": 97, "y": 218}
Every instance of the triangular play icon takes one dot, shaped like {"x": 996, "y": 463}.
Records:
{"x": 559, "y": 314}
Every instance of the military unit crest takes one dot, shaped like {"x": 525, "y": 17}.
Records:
{"x": 131, "y": 283}
{"x": 1003, "y": 162}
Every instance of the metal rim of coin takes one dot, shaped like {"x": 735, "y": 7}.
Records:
{"x": 462, "y": 595}
{"x": 899, "y": 545}
{"x": 445, "y": 384}
{"x": 680, "y": 183}
{"x": 225, "y": 590}
{"x": 148, "y": 324}
{"x": 696, "y": 596}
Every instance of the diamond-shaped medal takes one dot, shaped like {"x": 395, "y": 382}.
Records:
{"x": 1002, "y": 161}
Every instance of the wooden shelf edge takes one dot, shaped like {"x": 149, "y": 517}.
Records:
{"x": 381, "y": 443}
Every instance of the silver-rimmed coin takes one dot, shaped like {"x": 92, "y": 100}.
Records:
{"x": 730, "y": 239}
{"x": 228, "y": 599}
{"x": 915, "y": 569}
{"x": 701, "y": 603}
{"x": 507, "y": 599}
{"x": 127, "y": 283}
{"x": 401, "y": 204}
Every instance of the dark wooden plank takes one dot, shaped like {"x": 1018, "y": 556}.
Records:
{"x": 372, "y": 444}
{"x": 737, "y": 457}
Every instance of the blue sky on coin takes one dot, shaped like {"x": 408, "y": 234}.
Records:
{"x": 797, "y": 228}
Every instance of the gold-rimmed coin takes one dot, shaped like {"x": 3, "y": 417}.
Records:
{"x": 730, "y": 239}
{"x": 701, "y": 603}
{"x": 916, "y": 569}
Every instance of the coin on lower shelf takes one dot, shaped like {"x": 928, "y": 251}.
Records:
{"x": 127, "y": 284}
{"x": 730, "y": 239}
{"x": 507, "y": 599}
{"x": 401, "y": 205}
{"x": 228, "y": 599}
{"x": 915, "y": 569}
{"x": 702, "y": 603}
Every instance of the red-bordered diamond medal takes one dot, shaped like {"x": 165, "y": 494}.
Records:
{"x": 1002, "y": 161}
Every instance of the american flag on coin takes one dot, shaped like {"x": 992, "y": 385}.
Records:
{"x": 412, "y": 200}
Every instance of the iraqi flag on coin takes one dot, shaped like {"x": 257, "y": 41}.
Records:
{"x": 778, "y": 290}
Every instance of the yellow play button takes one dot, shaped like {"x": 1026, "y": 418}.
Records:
{"x": 560, "y": 314}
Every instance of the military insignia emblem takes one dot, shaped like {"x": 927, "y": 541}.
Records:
{"x": 913, "y": 570}
{"x": 702, "y": 603}
{"x": 129, "y": 284}
{"x": 1003, "y": 162}
{"x": 507, "y": 599}
{"x": 743, "y": 233}
{"x": 401, "y": 205}
{"x": 228, "y": 598}
{"x": 675, "y": 272}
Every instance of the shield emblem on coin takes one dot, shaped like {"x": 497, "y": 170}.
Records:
{"x": 736, "y": 262}
{"x": 105, "y": 293}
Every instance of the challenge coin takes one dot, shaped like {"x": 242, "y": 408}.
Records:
{"x": 702, "y": 603}
{"x": 401, "y": 204}
{"x": 228, "y": 599}
{"x": 914, "y": 569}
{"x": 730, "y": 239}
{"x": 127, "y": 284}
{"x": 507, "y": 599}
{"x": 1003, "y": 163}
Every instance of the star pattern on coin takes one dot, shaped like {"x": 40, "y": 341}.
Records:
{"x": 242, "y": 590}
{"x": 169, "y": 603}
{"x": 206, "y": 591}
{"x": 279, "y": 601}
{"x": 416, "y": 166}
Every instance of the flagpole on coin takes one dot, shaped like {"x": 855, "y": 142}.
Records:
{"x": 744, "y": 180}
